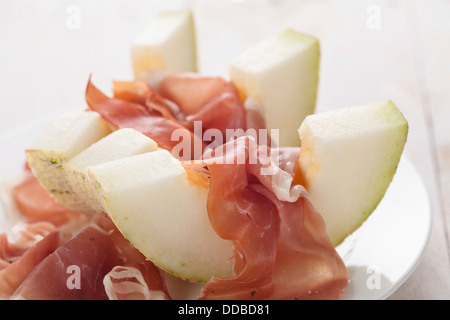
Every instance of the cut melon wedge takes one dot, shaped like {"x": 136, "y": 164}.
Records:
{"x": 163, "y": 213}
{"x": 167, "y": 44}
{"x": 347, "y": 161}
{"x": 66, "y": 136}
{"x": 117, "y": 145}
{"x": 282, "y": 73}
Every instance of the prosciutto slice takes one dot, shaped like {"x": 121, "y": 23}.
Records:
{"x": 74, "y": 271}
{"x": 142, "y": 281}
{"x": 13, "y": 275}
{"x": 137, "y": 277}
{"x": 126, "y": 114}
{"x": 191, "y": 91}
{"x": 36, "y": 205}
{"x": 9, "y": 252}
{"x": 204, "y": 103}
{"x": 282, "y": 249}
{"x": 212, "y": 101}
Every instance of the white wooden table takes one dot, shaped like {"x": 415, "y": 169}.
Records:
{"x": 371, "y": 51}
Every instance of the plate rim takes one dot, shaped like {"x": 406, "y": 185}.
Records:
{"x": 424, "y": 244}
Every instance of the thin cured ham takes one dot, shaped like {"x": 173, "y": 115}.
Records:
{"x": 13, "y": 275}
{"x": 9, "y": 252}
{"x": 212, "y": 101}
{"x": 126, "y": 114}
{"x": 49, "y": 269}
{"x": 137, "y": 277}
{"x": 191, "y": 92}
{"x": 159, "y": 114}
{"x": 282, "y": 249}
{"x": 74, "y": 271}
{"x": 26, "y": 235}
{"x": 35, "y": 204}
{"x": 142, "y": 281}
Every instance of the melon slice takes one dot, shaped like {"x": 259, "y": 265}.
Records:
{"x": 67, "y": 135}
{"x": 348, "y": 159}
{"x": 167, "y": 44}
{"x": 119, "y": 144}
{"x": 282, "y": 73}
{"x": 163, "y": 213}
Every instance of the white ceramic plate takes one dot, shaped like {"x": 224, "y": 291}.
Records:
{"x": 385, "y": 250}
{"x": 380, "y": 255}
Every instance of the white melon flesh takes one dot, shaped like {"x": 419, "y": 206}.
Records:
{"x": 117, "y": 145}
{"x": 156, "y": 206}
{"x": 348, "y": 159}
{"x": 282, "y": 73}
{"x": 168, "y": 44}
{"x": 66, "y": 136}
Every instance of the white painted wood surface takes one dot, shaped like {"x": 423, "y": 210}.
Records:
{"x": 371, "y": 50}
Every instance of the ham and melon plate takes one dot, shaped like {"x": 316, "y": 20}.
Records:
{"x": 246, "y": 219}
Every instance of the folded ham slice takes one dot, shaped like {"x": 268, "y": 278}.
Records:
{"x": 137, "y": 278}
{"x": 13, "y": 275}
{"x": 159, "y": 114}
{"x": 282, "y": 249}
{"x": 74, "y": 271}
{"x": 191, "y": 91}
{"x": 125, "y": 114}
{"x": 36, "y": 205}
